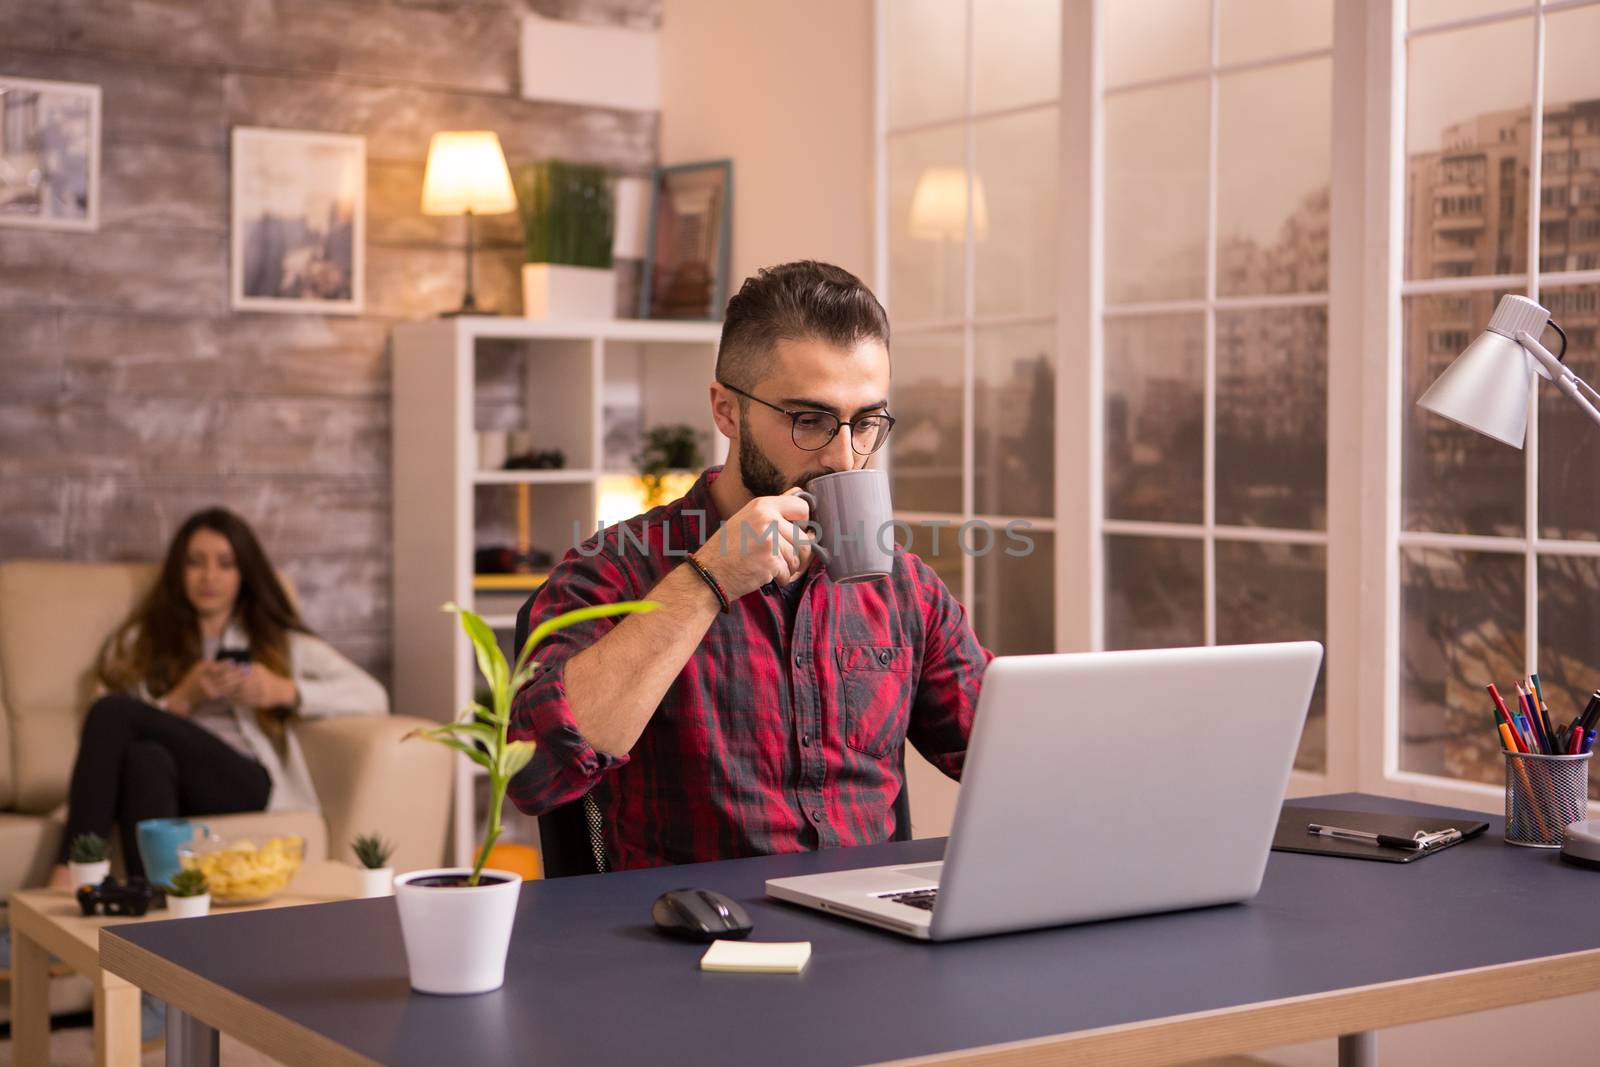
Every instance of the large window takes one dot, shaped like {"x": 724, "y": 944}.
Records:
{"x": 1217, "y": 131}
{"x": 1499, "y": 549}
{"x": 1298, "y": 212}
{"x": 969, "y": 196}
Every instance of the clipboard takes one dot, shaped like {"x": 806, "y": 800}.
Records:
{"x": 1291, "y": 835}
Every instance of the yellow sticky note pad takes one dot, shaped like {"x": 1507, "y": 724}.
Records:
{"x": 757, "y": 957}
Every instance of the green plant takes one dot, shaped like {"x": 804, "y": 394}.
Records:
{"x": 480, "y": 732}
{"x": 566, "y": 213}
{"x": 372, "y": 850}
{"x": 666, "y": 448}
{"x": 89, "y": 848}
{"x": 189, "y": 882}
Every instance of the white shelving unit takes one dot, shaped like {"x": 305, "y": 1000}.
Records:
{"x": 579, "y": 381}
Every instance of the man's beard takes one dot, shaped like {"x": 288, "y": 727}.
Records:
{"x": 760, "y": 475}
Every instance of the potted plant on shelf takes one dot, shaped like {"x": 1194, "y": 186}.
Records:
{"x": 188, "y": 895}
{"x": 566, "y": 226}
{"x": 373, "y": 852}
{"x": 667, "y": 450}
{"x": 456, "y": 921}
{"x": 88, "y": 860}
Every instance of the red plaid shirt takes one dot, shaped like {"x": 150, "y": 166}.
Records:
{"x": 767, "y": 741}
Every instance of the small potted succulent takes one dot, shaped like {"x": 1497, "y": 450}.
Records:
{"x": 88, "y": 860}
{"x": 373, "y": 852}
{"x": 566, "y": 222}
{"x": 188, "y": 895}
{"x": 456, "y": 921}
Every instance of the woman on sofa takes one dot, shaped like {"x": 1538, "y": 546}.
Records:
{"x": 201, "y": 682}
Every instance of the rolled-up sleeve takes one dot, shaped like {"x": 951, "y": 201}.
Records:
{"x": 953, "y": 663}
{"x": 564, "y": 766}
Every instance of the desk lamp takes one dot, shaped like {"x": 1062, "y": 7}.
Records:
{"x": 467, "y": 175}
{"x": 1487, "y": 389}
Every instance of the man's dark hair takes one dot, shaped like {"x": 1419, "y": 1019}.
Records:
{"x": 805, "y": 300}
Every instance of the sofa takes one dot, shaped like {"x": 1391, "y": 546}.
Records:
{"x": 53, "y": 618}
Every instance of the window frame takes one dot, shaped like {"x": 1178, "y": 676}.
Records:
{"x": 1209, "y": 305}
{"x": 1366, "y": 286}
{"x": 1531, "y": 545}
{"x": 969, "y": 323}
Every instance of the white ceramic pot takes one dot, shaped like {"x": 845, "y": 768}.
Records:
{"x": 377, "y": 881}
{"x": 88, "y": 873}
{"x": 556, "y": 291}
{"x": 188, "y": 907}
{"x": 456, "y": 936}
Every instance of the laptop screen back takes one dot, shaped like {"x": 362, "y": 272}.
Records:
{"x": 1118, "y": 783}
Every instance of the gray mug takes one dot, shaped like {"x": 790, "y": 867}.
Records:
{"x": 851, "y": 524}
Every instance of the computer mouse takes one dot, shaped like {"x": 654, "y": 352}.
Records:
{"x": 700, "y": 915}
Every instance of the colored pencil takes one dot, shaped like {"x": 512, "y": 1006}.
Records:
{"x": 1522, "y": 708}
{"x": 1543, "y": 742}
{"x": 1541, "y": 722}
{"x": 1500, "y": 704}
{"x": 1544, "y": 712}
{"x": 1533, "y": 805}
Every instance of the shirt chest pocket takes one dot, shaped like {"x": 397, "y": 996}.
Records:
{"x": 876, "y": 696}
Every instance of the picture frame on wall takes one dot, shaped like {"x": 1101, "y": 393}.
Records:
{"x": 298, "y": 230}
{"x": 688, "y": 242}
{"x": 49, "y": 154}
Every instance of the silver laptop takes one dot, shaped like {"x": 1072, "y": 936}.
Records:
{"x": 1099, "y": 785}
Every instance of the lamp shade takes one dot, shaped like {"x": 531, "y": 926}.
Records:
{"x": 467, "y": 172}
{"x": 1487, "y": 387}
{"x": 939, "y": 206}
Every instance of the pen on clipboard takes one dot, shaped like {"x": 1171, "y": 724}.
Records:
{"x": 1423, "y": 839}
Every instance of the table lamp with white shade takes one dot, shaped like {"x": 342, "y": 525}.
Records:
{"x": 939, "y": 206}
{"x": 939, "y": 212}
{"x": 467, "y": 175}
{"x": 1488, "y": 389}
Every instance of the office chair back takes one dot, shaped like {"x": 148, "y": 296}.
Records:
{"x": 572, "y": 838}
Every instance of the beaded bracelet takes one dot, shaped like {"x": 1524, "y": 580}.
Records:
{"x": 711, "y": 579}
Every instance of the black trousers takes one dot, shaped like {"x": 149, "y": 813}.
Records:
{"x": 139, "y": 762}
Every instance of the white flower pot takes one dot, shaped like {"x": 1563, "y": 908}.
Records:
{"x": 188, "y": 907}
{"x": 377, "y": 881}
{"x": 555, "y": 291}
{"x": 456, "y": 937}
{"x": 87, "y": 873}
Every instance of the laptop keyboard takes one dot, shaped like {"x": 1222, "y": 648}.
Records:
{"x": 917, "y": 898}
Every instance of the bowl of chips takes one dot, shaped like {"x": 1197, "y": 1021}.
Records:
{"x": 239, "y": 871}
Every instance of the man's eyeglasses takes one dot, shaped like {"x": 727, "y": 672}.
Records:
{"x": 813, "y": 430}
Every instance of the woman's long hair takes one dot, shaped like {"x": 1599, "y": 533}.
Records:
{"x": 160, "y": 641}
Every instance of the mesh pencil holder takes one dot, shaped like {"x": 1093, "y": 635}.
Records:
{"x": 1543, "y": 795}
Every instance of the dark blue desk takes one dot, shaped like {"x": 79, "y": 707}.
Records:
{"x": 1329, "y": 947}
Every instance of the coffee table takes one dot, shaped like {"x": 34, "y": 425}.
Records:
{"x": 48, "y": 921}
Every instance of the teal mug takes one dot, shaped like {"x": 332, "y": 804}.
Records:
{"x": 158, "y": 846}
